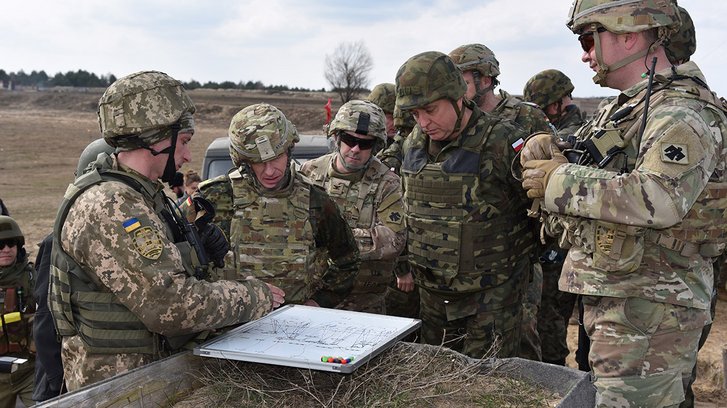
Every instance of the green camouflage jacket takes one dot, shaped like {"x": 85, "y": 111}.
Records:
{"x": 570, "y": 122}
{"x": 526, "y": 115}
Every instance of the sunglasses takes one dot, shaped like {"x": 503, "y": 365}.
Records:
{"x": 8, "y": 243}
{"x": 586, "y": 39}
{"x": 351, "y": 141}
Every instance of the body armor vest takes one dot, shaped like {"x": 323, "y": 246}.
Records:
{"x": 78, "y": 305}
{"x": 272, "y": 237}
{"x": 357, "y": 200}
{"x": 18, "y": 307}
{"x": 704, "y": 229}
{"x": 445, "y": 240}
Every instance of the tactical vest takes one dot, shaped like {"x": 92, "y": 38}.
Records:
{"x": 444, "y": 240}
{"x": 18, "y": 307}
{"x": 78, "y": 305}
{"x": 704, "y": 229}
{"x": 272, "y": 237}
{"x": 357, "y": 199}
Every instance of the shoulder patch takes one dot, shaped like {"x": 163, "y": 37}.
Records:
{"x": 147, "y": 242}
{"x": 131, "y": 224}
{"x": 674, "y": 153}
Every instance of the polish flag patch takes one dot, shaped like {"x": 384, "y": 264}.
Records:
{"x": 518, "y": 144}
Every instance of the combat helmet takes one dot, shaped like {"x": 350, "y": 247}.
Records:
{"x": 427, "y": 77}
{"x": 476, "y": 57}
{"x": 682, "y": 44}
{"x": 547, "y": 87}
{"x": 621, "y": 17}
{"x": 403, "y": 121}
{"x": 361, "y": 117}
{"x": 90, "y": 154}
{"x": 9, "y": 229}
{"x": 138, "y": 110}
{"x": 384, "y": 95}
{"x": 260, "y": 133}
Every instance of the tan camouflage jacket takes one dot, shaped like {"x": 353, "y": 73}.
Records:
{"x": 115, "y": 234}
{"x": 625, "y": 229}
{"x": 372, "y": 203}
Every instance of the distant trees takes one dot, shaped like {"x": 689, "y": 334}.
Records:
{"x": 347, "y": 69}
{"x": 81, "y": 78}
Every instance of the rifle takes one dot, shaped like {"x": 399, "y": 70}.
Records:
{"x": 190, "y": 231}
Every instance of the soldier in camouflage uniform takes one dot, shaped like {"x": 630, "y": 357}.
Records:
{"x": 283, "y": 229}
{"x": 122, "y": 292}
{"x": 469, "y": 241}
{"x": 398, "y": 302}
{"x": 551, "y": 91}
{"x": 641, "y": 205}
{"x": 480, "y": 69}
{"x": 369, "y": 194}
{"x": 384, "y": 96}
{"x": 18, "y": 307}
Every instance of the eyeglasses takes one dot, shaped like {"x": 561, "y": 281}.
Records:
{"x": 586, "y": 39}
{"x": 351, "y": 141}
{"x": 8, "y": 243}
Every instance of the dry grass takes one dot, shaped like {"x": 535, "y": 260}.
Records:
{"x": 408, "y": 375}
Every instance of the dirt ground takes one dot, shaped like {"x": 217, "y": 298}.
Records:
{"x": 43, "y": 133}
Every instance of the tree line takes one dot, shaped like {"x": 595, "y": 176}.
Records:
{"x": 82, "y": 78}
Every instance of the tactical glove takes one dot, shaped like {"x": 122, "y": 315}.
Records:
{"x": 537, "y": 172}
{"x": 539, "y": 146}
{"x": 215, "y": 243}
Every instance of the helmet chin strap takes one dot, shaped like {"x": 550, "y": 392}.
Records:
{"x": 603, "y": 69}
{"x": 479, "y": 92}
{"x": 460, "y": 115}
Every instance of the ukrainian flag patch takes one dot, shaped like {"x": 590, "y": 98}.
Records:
{"x": 131, "y": 224}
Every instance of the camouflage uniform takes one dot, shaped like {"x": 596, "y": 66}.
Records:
{"x": 294, "y": 236}
{"x": 648, "y": 282}
{"x": 524, "y": 114}
{"x": 546, "y": 88}
{"x": 16, "y": 296}
{"x": 371, "y": 201}
{"x": 121, "y": 292}
{"x": 467, "y": 233}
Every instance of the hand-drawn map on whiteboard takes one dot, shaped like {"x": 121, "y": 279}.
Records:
{"x": 299, "y": 336}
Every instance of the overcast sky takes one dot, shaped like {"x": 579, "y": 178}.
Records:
{"x": 284, "y": 42}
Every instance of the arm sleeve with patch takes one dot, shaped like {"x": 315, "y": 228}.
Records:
{"x": 677, "y": 156}
{"x": 113, "y": 232}
{"x": 388, "y": 233}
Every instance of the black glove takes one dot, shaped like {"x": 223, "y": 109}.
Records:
{"x": 214, "y": 243}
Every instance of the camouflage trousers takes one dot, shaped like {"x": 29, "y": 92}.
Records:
{"x": 398, "y": 303}
{"x": 478, "y": 330}
{"x": 642, "y": 352}
{"x": 364, "y": 302}
{"x": 17, "y": 384}
{"x": 552, "y": 322}
{"x": 530, "y": 342}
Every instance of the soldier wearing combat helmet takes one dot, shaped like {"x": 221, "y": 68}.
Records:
{"x": 642, "y": 258}
{"x": 18, "y": 307}
{"x": 369, "y": 194}
{"x": 384, "y": 96}
{"x": 480, "y": 70}
{"x": 469, "y": 242}
{"x": 283, "y": 229}
{"x": 122, "y": 290}
{"x": 551, "y": 91}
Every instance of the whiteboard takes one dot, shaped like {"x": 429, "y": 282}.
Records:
{"x": 299, "y": 336}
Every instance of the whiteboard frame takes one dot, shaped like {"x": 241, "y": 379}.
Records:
{"x": 249, "y": 336}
